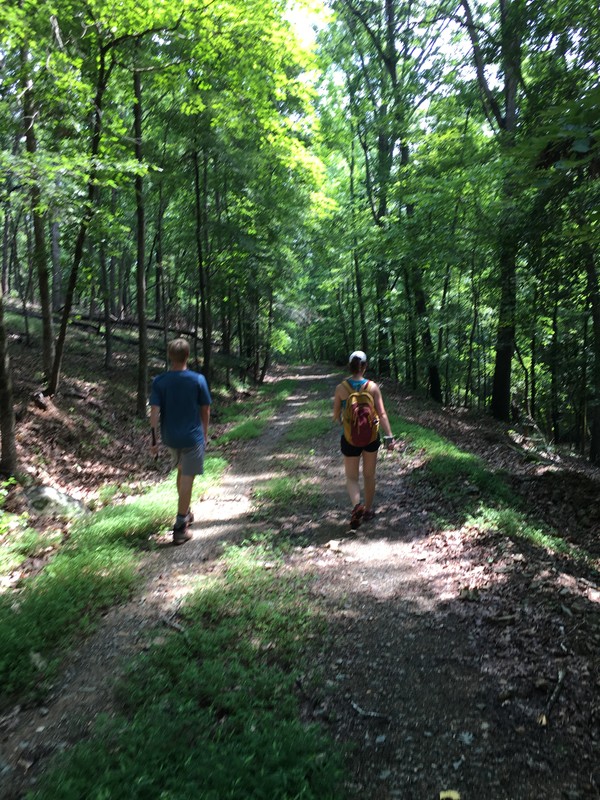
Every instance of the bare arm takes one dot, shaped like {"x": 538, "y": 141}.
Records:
{"x": 205, "y": 418}
{"x": 381, "y": 412}
{"x": 337, "y": 404}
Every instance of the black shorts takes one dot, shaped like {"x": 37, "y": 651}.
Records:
{"x": 352, "y": 451}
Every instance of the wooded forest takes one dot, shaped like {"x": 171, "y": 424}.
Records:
{"x": 419, "y": 179}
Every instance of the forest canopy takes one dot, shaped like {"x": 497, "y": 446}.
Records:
{"x": 418, "y": 179}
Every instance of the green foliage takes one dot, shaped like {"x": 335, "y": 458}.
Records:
{"x": 96, "y": 568}
{"x": 212, "y": 713}
{"x": 18, "y": 542}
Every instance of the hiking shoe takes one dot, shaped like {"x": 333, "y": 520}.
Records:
{"x": 357, "y": 514}
{"x": 368, "y": 515}
{"x": 181, "y": 534}
{"x": 189, "y": 517}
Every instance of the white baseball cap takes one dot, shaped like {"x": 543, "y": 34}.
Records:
{"x": 362, "y": 357}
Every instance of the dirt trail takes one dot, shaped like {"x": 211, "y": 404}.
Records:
{"x": 415, "y": 677}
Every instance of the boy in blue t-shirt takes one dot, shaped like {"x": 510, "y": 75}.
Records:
{"x": 181, "y": 400}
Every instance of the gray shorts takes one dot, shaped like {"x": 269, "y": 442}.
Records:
{"x": 189, "y": 459}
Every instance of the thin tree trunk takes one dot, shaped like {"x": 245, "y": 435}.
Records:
{"x": 364, "y": 337}
{"x": 142, "y": 384}
{"x": 8, "y": 452}
{"x": 4, "y": 282}
{"x": 267, "y": 356}
{"x": 202, "y": 271}
{"x": 88, "y": 213}
{"x": 472, "y": 335}
{"x": 593, "y": 285}
{"x": 536, "y": 305}
{"x": 104, "y": 285}
{"x": 554, "y": 406}
{"x": 505, "y": 338}
{"x": 56, "y": 267}
{"x": 39, "y": 238}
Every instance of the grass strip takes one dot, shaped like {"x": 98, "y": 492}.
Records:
{"x": 284, "y": 494}
{"x": 311, "y": 423}
{"x": 248, "y": 418}
{"x": 485, "y": 499}
{"x": 95, "y": 568}
{"x": 212, "y": 713}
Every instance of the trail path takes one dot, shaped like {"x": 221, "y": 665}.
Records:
{"x": 424, "y": 680}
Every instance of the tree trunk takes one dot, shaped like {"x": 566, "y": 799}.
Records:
{"x": 554, "y": 356}
{"x": 582, "y": 422}
{"x": 412, "y": 374}
{"x": 88, "y": 213}
{"x": 202, "y": 271}
{"x": 268, "y": 338}
{"x": 435, "y": 385}
{"x": 39, "y": 238}
{"x": 104, "y": 284}
{"x": 504, "y": 117}
{"x": 505, "y": 338}
{"x": 56, "y": 268}
{"x": 8, "y": 452}
{"x": 364, "y": 338}
{"x": 4, "y": 283}
{"x": 142, "y": 384}
{"x": 593, "y": 285}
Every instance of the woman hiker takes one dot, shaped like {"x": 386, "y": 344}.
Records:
{"x": 354, "y": 452}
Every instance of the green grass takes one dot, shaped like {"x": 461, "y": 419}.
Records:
{"x": 20, "y": 542}
{"x": 284, "y": 495}
{"x": 515, "y": 524}
{"x": 312, "y": 422}
{"x": 17, "y": 541}
{"x": 96, "y": 568}
{"x": 483, "y": 499}
{"x": 250, "y": 417}
{"x": 249, "y": 429}
{"x": 212, "y": 714}
{"x": 454, "y": 472}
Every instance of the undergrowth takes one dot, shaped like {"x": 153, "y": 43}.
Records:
{"x": 475, "y": 495}
{"x": 212, "y": 713}
{"x": 95, "y": 568}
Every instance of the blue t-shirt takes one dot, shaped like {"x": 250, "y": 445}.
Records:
{"x": 179, "y": 395}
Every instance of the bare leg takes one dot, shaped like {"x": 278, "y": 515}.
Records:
{"x": 369, "y": 467}
{"x": 351, "y": 465}
{"x": 184, "y": 492}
